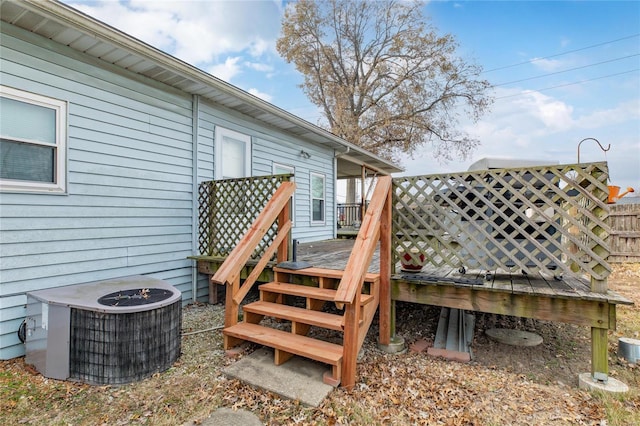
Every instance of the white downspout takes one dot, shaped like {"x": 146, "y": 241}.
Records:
{"x": 340, "y": 154}
{"x": 335, "y": 196}
{"x": 195, "y": 111}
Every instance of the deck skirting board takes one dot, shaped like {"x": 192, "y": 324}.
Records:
{"x": 591, "y": 313}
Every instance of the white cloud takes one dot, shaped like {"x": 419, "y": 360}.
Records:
{"x": 548, "y": 65}
{"x": 554, "y": 114}
{"x": 521, "y": 115}
{"x": 541, "y": 127}
{"x": 197, "y": 32}
{"x": 146, "y": 25}
{"x": 266, "y": 68}
{"x": 261, "y": 95}
{"x": 625, "y": 112}
{"x": 227, "y": 70}
{"x": 260, "y": 46}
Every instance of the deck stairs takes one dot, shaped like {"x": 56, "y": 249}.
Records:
{"x": 299, "y": 300}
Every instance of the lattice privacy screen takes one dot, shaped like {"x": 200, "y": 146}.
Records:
{"x": 227, "y": 208}
{"x": 550, "y": 218}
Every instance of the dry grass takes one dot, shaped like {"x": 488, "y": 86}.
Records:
{"x": 503, "y": 386}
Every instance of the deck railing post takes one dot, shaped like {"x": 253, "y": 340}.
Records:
{"x": 350, "y": 287}
{"x": 385, "y": 272}
{"x": 283, "y": 248}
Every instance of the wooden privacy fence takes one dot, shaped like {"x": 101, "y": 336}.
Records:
{"x": 625, "y": 233}
{"x": 545, "y": 218}
{"x": 228, "y": 207}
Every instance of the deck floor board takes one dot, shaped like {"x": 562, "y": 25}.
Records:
{"x": 333, "y": 254}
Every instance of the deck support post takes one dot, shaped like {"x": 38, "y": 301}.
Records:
{"x": 350, "y": 345}
{"x": 599, "y": 354}
{"x": 599, "y": 342}
{"x": 385, "y": 304}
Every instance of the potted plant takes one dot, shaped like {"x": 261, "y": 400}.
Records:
{"x": 412, "y": 259}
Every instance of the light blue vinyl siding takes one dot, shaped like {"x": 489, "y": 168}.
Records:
{"x": 131, "y": 165}
{"x": 128, "y": 207}
{"x": 269, "y": 146}
{"x": 267, "y": 151}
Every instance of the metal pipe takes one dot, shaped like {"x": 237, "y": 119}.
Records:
{"x": 597, "y": 141}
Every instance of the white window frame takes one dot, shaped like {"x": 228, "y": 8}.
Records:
{"x": 221, "y": 132}
{"x": 60, "y": 167}
{"x": 324, "y": 198}
{"x": 292, "y": 170}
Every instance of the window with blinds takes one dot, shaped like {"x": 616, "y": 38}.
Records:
{"x": 32, "y": 142}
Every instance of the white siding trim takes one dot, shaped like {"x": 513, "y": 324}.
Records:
{"x": 60, "y": 107}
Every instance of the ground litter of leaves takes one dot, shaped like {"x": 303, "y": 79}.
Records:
{"x": 504, "y": 385}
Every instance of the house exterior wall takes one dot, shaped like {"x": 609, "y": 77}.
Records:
{"x": 129, "y": 206}
{"x": 271, "y": 146}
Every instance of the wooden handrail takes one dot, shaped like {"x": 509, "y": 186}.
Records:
{"x": 352, "y": 280}
{"x": 364, "y": 246}
{"x": 230, "y": 270}
{"x": 262, "y": 263}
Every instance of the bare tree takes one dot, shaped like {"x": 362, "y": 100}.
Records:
{"x": 382, "y": 76}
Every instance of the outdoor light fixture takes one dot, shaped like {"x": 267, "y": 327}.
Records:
{"x": 305, "y": 154}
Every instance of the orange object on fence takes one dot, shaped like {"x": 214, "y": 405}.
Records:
{"x": 614, "y": 193}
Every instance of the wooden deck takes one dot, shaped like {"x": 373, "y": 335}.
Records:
{"x": 474, "y": 290}
{"x": 538, "y": 296}
{"x": 529, "y": 242}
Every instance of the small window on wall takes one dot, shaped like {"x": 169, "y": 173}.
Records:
{"x": 317, "y": 198}
{"x": 281, "y": 169}
{"x": 32, "y": 142}
{"x": 233, "y": 154}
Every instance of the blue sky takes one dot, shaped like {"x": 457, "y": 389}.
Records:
{"x": 563, "y": 70}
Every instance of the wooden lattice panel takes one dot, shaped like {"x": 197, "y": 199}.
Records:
{"x": 537, "y": 218}
{"x": 227, "y": 208}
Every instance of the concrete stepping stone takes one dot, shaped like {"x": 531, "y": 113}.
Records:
{"x": 514, "y": 337}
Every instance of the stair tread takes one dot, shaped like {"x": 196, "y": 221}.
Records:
{"x": 322, "y": 351}
{"x": 327, "y": 273}
{"x": 292, "y": 313}
{"x": 307, "y": 291}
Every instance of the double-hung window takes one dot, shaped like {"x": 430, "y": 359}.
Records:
{"x": 317, "y": 198}
{"x": 32, "y": 142}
